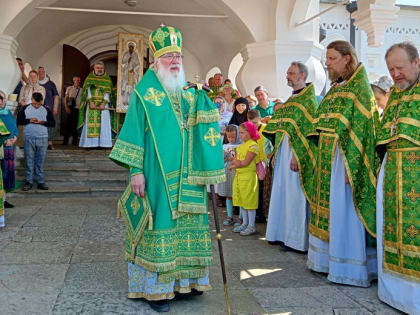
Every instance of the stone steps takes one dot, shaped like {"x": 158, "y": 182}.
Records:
{"x": 86, "y": 181}
{"x": 76, "y": 173}
{"x": 68, "y": 192}
{"x": 69, "y": 171}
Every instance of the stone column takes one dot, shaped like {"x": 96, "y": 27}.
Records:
{"x": 9, "y": 71}
{"x": 296, "y": 39}
{"x": 374, "y": 17}
{"x": 267, "y": 63}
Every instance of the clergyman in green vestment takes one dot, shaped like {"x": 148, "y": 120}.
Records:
{"x": 343, "y": 207}
{"x": 288, "y": 216}
{"x": 95, "y": 115}
{"x": 171, "y": 144}
{"x": 398, "y": 192}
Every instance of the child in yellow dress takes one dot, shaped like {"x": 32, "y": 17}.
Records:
{"x": 245, "y": 183}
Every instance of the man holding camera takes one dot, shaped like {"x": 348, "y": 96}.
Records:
{"x": 72, "y": 105}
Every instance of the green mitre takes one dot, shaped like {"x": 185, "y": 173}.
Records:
{"x": 165, "y": 39}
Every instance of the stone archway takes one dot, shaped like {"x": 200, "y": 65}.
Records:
{"x": 24, "y": 22}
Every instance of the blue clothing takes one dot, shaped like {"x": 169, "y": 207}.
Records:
{"x": 50, "y": 92}
{"x": 144, "y": 284}
{"x": 10, "y": 123}
{"x": 18, "y": 88}
{"x": 345, "y": 258}
{"x": 288, "y": 217}
{"x": 35, "y": 150}
{"x": 35, "y": 130}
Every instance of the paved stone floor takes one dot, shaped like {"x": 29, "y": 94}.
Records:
{"x": 64, "y": 256}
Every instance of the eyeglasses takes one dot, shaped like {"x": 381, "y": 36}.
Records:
{"x": 172, "y": 56}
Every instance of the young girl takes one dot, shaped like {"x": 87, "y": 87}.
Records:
{"x": 245, "y": 183}
{"x": 225, "y": 189}
{"x": 266, "y": 149}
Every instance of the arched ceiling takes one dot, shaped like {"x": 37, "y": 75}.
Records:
{"x": 213, "y": 41}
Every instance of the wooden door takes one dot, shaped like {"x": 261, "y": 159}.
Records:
{"x": 74, "y": 63}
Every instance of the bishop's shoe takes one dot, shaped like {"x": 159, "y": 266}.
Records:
{"x": 161, "y": 306}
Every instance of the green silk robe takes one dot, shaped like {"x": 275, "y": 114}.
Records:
{"x": 176, "y": 144}
{"x": 98, "y": 85}
{"x": 294, "y": 119}
{"x": 346, "y": 117}
{"x": 399, "y": 137}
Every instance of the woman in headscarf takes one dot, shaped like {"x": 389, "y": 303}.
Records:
{"x": 382, "y": 90}
{"x": 229, "y": 95}
{"x": 241, "y": 107}
{"x": 225, "y": 114}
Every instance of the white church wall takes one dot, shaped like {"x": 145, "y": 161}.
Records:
{"x": 52, "y": 62}
{"x": 337, "y": 26}
{"x": 234, "y": 68}
{"x": 259, "y": 16}
{"x": 192, "y": 66}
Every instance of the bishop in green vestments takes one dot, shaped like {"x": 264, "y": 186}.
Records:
{"x": 171, "y": 144}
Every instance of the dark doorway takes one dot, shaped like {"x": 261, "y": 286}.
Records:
{"x": 75, "y": 63}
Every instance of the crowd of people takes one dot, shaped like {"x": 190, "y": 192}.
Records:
{"x": 326, "y": 195}
{"x": 308, "y": 166}
{"x": 31, "y": 124}
{"x": 335, "y": 177}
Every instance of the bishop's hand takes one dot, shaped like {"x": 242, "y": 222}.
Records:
{"x": 138, "y": 183}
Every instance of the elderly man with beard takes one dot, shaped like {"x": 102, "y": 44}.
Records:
{"x": 170, "y": 142}
{"x": 343, "y": 207}
{"x": 94, "y": 114}
{"x": 398, "y": 193}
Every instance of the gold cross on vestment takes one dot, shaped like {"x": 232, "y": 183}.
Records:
{"x": 212, "y": 137}
{"x": 413, "y": 157}
{"x": 188, "y": 241}
{"x": 161, "y": 246}
{"x": 412, "y": 231}
{"x": 325, "y": 171}
{"x": 206, "y": 241}
{"x": 390, "y": 193}
{"x": 154, "y": 96}
{"x": 413, "y": 195}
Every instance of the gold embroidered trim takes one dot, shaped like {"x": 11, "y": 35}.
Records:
{"x": 200, "y": 180}
{"x": 356, "y": 142}
{"x": 404, "y": 120}
{"x": 171, "y": 265}
{"x": 353, "y": 97}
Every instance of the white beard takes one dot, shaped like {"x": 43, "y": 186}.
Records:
{"x": 173, "y": 82}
